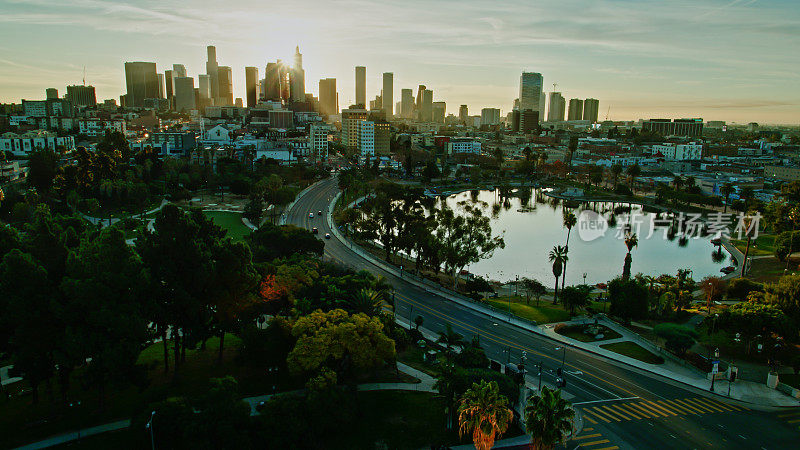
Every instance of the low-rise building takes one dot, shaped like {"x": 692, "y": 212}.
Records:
{"x": 786, "y": 173}
{"x": 22, "y": 144}
{"x": 679, "y": 152}
{"x": 463, "y": 145}
{"x": 98, "y": 127}
{"x": 174, "y": 143}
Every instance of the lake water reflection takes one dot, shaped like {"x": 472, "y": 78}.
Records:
{"x": 532, "y": 225}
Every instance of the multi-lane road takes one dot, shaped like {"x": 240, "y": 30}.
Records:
{"x": 622, "y": 406}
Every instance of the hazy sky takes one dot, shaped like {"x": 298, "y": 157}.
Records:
{"x": 734, "y": 60}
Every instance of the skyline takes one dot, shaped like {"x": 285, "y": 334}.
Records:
{"x": 643, "y": 61}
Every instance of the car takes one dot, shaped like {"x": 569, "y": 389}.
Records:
{"x": 327, "y": 235}
{"x": 261, "y": 405}
{"x": 315, "y": 230}
{"x": 319, "y": 212}
{"x": 727, "y": 270}
{"x": 310, "y": 215}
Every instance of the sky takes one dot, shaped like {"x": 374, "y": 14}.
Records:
{"x": 732, "y": 60}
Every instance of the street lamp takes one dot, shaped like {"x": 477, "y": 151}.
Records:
{"x": 715, "y": 368}
{"x": 563, "y": 355}
{"x": 584, "y": 278}
{"x": 149, "y": 426}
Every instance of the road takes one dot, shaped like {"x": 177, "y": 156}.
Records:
{"x": 623, "y": 407}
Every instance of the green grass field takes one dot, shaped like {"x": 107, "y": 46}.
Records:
{"x": 634, "y": 351}
{"x": 546, "y": 312}
{"x": 230, "y": 221}
{"x": 764, "y": 244}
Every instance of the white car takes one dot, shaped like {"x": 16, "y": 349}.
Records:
{"x": 310, "y": 215}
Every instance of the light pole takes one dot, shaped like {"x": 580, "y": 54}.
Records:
{"x": 714, "y": 368}
{"x": 584, "y": 278}
{"x": 563, "y": 355}
{"x": 149, "y": 426}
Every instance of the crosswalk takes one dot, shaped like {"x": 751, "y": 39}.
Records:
{"x": 656, "y": 409}
{"x": 792, "y": 418}
{"x": 592, "y": 439}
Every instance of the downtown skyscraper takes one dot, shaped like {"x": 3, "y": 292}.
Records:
{"x": 361, "y": 86}
{"x": 298, "y": 77}
{"x": 387, "y": 99}
{"x": 530, "y": 92}
{"x": 141, "y": 81}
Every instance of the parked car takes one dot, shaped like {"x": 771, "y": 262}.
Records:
{"x": 327, "y": 235}
{"x": 727, "y": 270}
{"x": 315, "y": 230}
{"x": 319, "y": 212}
{"x": 310, "y": 215}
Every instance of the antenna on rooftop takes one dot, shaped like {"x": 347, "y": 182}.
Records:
{"x": 554, "y": 86}
{"x": 608, "y": 111}
{"x": 84, "y": 75}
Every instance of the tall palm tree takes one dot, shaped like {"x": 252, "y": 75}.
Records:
{"x": 569, "y": 221}
{"x": 726, "y": 190}
{"x": 558, "y": 256}
{"x": 367, "y": 301}
{"x": 548, "y": 418}
{"x": 794, "y": 217}
{"x": 616, "y": 170}
{"x": 633, "y": 172}
{"x": 449, "y": 338}
{"x": 747, "y": 224}
{"x": 631, "y": 241}
{"x": 484, "y": 413}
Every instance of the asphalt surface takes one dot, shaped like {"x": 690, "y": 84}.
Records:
{"x": 622, "y": 407}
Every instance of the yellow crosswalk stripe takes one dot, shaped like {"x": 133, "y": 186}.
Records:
{"x": 705, "y": 404}
{"x": 700, "y": 409}
{"x": 730, "y": 405}
{"x": 588, "y": 429}
{"x": 592, "y": 421}
{"x": 588, "y": 444}
{"x": 789, "y": 414}
{"x": 657, "y": 407}
{"x": 612, "y": 413}
{"x": 646, "y": 412}
{"x": 608, "y": 448}
{"x": 603, "y": 415}
{"x": 676, "y": 407}
{"x": 626, "y": 410}
{"x": 587, "y": 436}
{"x": 793, "y": 421}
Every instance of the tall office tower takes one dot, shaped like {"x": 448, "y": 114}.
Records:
{"x": 361, "y": 86}
{"x": 530, "y": 91}
{"x": 420, "y": 93}
{"x": 328, "y": 98}
{"x": 168, "y": 84}
{"x": 51, "y": 93}
{"x": 178, "y": 70}
{"x": 542, "y": 104}
{"x": 298, "y": 77}
{"x": 575, "y": 109}
{"x": 285, "y": 80}
{"x": 141, "y": 82}
{"x": 225, "y": 80}
{"x": 251, "y": 84}
{"x": 387, "y": 97}
{"x": 438, "y": 112}
{"x": 204, "y": 86}
{"x": 463, "y": 114}
{"x": 406, "y": 103}
{"x": 184, "y": 94}
{"x": 427, "y": 106}
{"x": 161, "y": 92}
{"x": 555, "y": 111}
{"x": 351, "y": 118}
{"x": 212, "y": 69}
{"x": 81, "y": 95}
{"x": 590, "y": 109}
{"x": 490, "y": 116}
{"x": 272, "y": 82}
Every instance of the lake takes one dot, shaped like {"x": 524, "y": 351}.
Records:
{"x": 532, "y": 226}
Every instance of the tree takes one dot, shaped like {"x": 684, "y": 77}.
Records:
{"x": 633, "y": 172}
{"x": 616, "y": 170}
{"x": 631, "y": 241}
{"x": 569, "y": 221}
{"x": 532, "y": 288}
{"x": 253, "y": 211}
{"x": 750, "y": 226}
{"x": 270, "y": 242}
{"x": 548, "y": 418}
{"x": 629, "y": 298}
{"x": 740, "y": 288}
{"x": 677, "y": 338}
{"x": 367, "y": 301}
{"x": 484, "y": 413}
{"x": 558, "y": 256}
{"x": 726, "y": 190}
{"x": 713, "y": 287}
{"x": 42, "y": 169}
{"x": 450, "y": 338}
{"x": 575, "y": 297}
{"x": 785, "y": 294}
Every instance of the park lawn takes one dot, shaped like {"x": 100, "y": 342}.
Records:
{"x": 415, "y": 357}
{"x": 231, "y": 222}
{"x": 400, "y": 419}
{"x": 546, "y": 312}
{"x": 769, "y": 270}
{"x": 764, "y": 244}
{"x": 635, "y": 351}
{"x": 22, "y": 422}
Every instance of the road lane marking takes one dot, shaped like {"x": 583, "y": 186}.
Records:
{"x": 587, "y": 436}
{"x": 589, "y": 419}
{"x": 588, "y": 444}
{"x": 608, "y": 448}
{"x": 625, "y": 410}
{"x": 675, "y": 407}
{"x": 686, "y": 404}
{"x": 789, "y": 414}
{"x": 599, "y": 415}
{"x": 611, "y": 413}
{"x": 608, "y": 400}
{"x": 700, "y": 402}
{"x": 656, "y": 407}
{"x": 647, "y": 413}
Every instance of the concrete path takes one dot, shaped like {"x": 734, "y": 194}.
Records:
{"x": 76, "y": 435}
{"x": 5, "y": 379}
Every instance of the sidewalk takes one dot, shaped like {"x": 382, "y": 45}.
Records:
{"x": 672, "y": 369}
{"x": 75, "y": 435}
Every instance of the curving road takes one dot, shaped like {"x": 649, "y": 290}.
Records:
{"x": 622, "y": 406}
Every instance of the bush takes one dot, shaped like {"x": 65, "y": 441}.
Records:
{"x": 240, "y": 186}
{"x": 740, "y": 288}
{"x": 472, "y": 358}
{"x": 678, "y": 338}
{"x": 621, "y": 189}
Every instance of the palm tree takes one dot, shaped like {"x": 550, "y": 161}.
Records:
{"x": 726, "y": 190}
{"x": 677, "y": 182}
{"x": 569, "y": 221}
{"x": 616, "y": 170}
{"x": 558, "y": 256}
{"x": 548, "y": 418}
{"x": 633, "y": 172}
{"x": 367, "y": 301}
{"x": 747, "y": 224}
{"x": 794, "y": 217}
{"x": 484, "y": 413}
{"x": 449, "y": 338}
{"x": 631, "y": 240}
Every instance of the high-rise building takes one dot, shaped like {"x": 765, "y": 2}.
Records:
{"x": 178, "y": 70}
{"x": 406, "y": 103}
{"x": 184, "y": 94}
{"x": 298, "y": 77}
{"x": 328, "y": 98}
{"x": 387, "y": 99}
{"x": 225, "y": 83}
{"x": 528, "y": 121}
{"x": 141, "y": 82}
{"x": 212, "y": 71}
{"x": 351, "y": 118}
{"x": 366, "y": 138}
{"x": 251, "y": 85}
{"x": 426, "y": 114}
{"x": 463, "y": 114}
{"x": 51, "y": 93}
{"x": 591, "y": 108}
{"x": 530, "y": 91}
{"x": 81, "y": 95}
{"x": 204, "y": 86}
{"x": 161, "y": 91}
{"x": 284, "y": 75}
{"x": 168, "y": 84}
{"x": 575, "y": 109}
{"x": 318, "y": 140}
{"x": 272, "y": 82}
{"x": 420, "y": 92}
{"x": 361, "y": 86}
{"x": 490, "y": 116}
{"x": 555, "y": 112}
{"x": 677, "y": 127}
{"x": 438, "y": 112}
